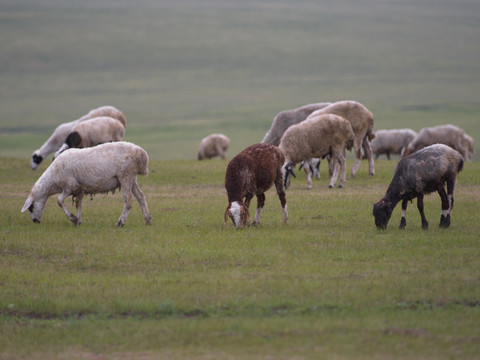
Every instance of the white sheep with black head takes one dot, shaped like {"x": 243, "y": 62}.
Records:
{"x": 93, "y": 132}
{"x": 59, "y": 135}
{"x": 251, "y": 173}
{"x": 423, "y": 172}
{"x": 99, "y": 169}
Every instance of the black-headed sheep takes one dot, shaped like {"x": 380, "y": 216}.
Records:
{"x": 251, "y": 173}
{"x": 391, "y": 141}
{"x": 93, "y": 132}
{"x": 317, "y": 137}
{"x": 361, "y": 120}
{"x": 94, "y": 170}
{"x": 450, "y": 135}
{"x": 423, "y": 172}
{"x": 59, "y": 135}
{"x": 213, "y": 145}
{"x": 284, "y": 119}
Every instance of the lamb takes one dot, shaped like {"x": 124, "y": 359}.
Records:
{"x": 59, "y": 135}
{"x": 93, "y": 132}
{"x": 284, "y": 119}
{"x": 213, "y": 145}
{"x": 423, "y": 172}
{"x": 450, "y": 135}
{"x": 94, "y": 170}
{"x": 361, "y": 120}
{"x": 252, "y": 172}
{"x": 320, "y": 136}
{"x": 391, "y": 141}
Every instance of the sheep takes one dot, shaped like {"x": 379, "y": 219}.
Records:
{"x": 284, "y": 119}
{"x": 450, "y": 135}
{"x": 93, "y": 132}
{"x": 361, "y": 120}
{"x": 319, "y": 136}
{"x": 252, "y": 172}
{"x": 98, "y": 169}
{"x": 213, "y": 145}
{"x": 61, "y": 132}
{"x": 423, "y": 172}
{"x": 391, "y": 141}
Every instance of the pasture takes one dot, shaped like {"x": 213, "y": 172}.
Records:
{"x": 326, "y": 285}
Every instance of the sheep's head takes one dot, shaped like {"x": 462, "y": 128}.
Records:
{"x": 288, "y": 173}
{"x": 36, "y": 160}
{"x": 238, "y": 212}
{"x": 382, "y": 211}
{"x": 35, "y": 208}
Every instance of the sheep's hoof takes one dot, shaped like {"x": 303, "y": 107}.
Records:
{"x": 119, "y": 224}
{"x": 444, "y": 221}
{"x": 403, "y": 223}
{"x": 425, "y": 226}
{"x": 330, "y": 186}
{"x": 255, "y": 223}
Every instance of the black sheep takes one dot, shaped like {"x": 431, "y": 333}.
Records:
{"x": 423, "y": 172}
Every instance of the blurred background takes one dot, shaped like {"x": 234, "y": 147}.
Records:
{"x": 182, "y": 69}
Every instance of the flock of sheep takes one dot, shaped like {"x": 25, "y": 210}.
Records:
{"x": 98, "y": 161}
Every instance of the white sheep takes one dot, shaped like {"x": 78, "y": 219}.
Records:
{"x": 94, "y": 170}
{"x": 56, "y": 140}
{"x": 284, "y": 119}
{"x": 251, "y": 173}
{"x": 391, "y": 141}
{"x": 361, "y": 120}
{"x": 93, "y": 132}
{"x": 319, "y": 136}
{"x": 213, "y": 145}
{"x": 450, "y": 135}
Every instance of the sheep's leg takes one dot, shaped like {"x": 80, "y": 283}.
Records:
{"x": 358, "y": 158}
{"x": 127, "y": 201}
{"x": 309, "y": 173}
{"x": 316, "y": 170}
{"x": 445, "y": 218}
{"x": 60, "y": 201}
{"x": 450, "y": 188}
{"x": 258, "y": 212}
{"x": 281, "y": 195}
{"x": 138, "y": 193}
{"x": 78, "y": 205}
{"x": 336, "y": 168}
{"x": 403, "y": 221}
{"x": 369, "y": 152}
{"x": 343, "y": 172}
{"x": 220, "y": 152}
{"x": 422, "y": 213}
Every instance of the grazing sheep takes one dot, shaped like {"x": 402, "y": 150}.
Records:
{"x": 450, "y": 135}
{"x": 361, "y": 120}
{"x": 56, "y": 140}
{"x": 319, "y": 136}
{"x": 93, "y": 132}
{"x": 423, "y": 172}
{"x": 284, "y": 119}
{"x": 94, "y": 170}
{"x": 213, "y": 145}
{"x": 391, "y": 141}
{"x": 250, "y": 173}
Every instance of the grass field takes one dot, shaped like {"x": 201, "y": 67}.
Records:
{"x": 326, "y": 285}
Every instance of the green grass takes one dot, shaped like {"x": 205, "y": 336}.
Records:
{"x": 328, "y": 284}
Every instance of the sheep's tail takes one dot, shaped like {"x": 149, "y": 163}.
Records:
{"x": 370, "y": 134}
{"x": 143, "y": 163}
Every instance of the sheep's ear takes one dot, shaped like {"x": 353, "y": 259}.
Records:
{"x": 73, "y": 140}
{"x": 28, "y": 203}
